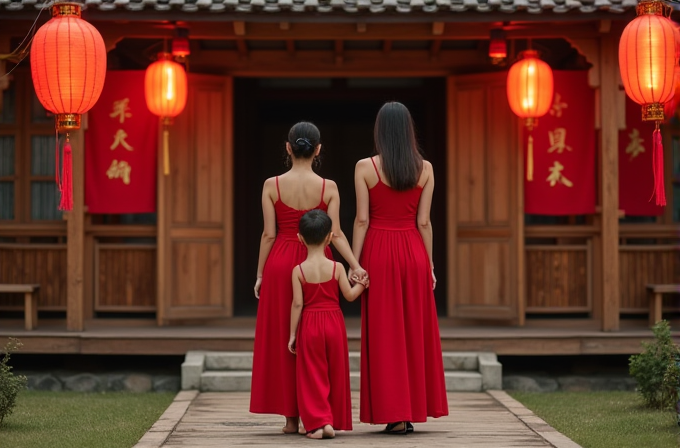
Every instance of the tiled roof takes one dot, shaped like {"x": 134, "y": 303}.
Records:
{"x": 344, "y": 6}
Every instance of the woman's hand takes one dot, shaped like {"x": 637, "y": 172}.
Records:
{"x": 434, "y": 280}
{"x": 291, "y": 345}
{"x": 357, "y": 275}
{"x": 258, "y": 284}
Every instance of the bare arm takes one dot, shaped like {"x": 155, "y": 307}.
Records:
{"x": 268, "y": 234}
{"x": 339, "y": 239}
{"x": 361, "y": 220}
{"x": 296, "y": 309}
{"x": 423, "y": 217}
{"x": 348, "y": 291}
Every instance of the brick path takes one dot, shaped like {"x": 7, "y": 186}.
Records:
{"x": 476, "y": 420}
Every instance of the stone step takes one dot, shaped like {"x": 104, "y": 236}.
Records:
{"x": 238, "y": 361}
{"x": 239, "y": 381}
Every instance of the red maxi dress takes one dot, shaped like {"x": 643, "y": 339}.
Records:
{"x": 402, "y": 373}
{"x": 323, "y": 389}
{"x": 273, "y": 383}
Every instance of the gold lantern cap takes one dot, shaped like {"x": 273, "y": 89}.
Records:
{"x": 63, "y": 9}
{"x": 69, "y": 122}
{"x": 653, "y": 7}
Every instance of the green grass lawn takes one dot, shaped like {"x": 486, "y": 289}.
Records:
{"x": 604, "y": 419}
{"x": 79, "y": 420}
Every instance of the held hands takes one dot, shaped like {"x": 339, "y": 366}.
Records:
{"x": 358, "y": 276}
{"x": 258, "y": 284}
{"x": 291, "y": 344}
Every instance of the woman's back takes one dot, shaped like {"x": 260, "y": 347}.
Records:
{"x": 391, "y": 209}
{"x": 296, "y": 195}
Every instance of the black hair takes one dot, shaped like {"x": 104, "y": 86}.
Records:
{"x": 395, "y": 143}
{"x": 315, "y": 226}
{"x": 303, "y": 138}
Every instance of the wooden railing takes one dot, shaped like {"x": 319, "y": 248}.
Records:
{"x": 125, "y": 277}
{"x": 640, "y": 265}
{"x": 44, "y": 264}
{"x": 559, "y": 278}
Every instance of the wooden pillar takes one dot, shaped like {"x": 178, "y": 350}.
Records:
{"x": 609, "y": 174}
{"x": 75, "y": 243}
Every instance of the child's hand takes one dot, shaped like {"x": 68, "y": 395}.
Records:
{"x": 364, "y": 281}
{"x": 291, "y": 345}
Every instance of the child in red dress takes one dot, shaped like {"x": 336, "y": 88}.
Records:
{"x": 317, "y": 332}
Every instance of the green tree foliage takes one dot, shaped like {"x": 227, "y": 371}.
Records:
{"x": 655, "y": 369}
{"x": 10, "y": 384}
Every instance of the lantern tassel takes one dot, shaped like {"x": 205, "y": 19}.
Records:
{"x": 66, "y": 203}
{"x": 166, "y": 151}
{"x": 657, "y": 165}
{"x": 530, "y": 159}
{"x": 57, "y": 167}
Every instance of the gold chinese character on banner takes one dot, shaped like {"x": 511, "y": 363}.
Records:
{"x": 119, "y": 139}
{"x": 558, "y": 140}
{"x": 119, "y": 170}
{"x": 557, "y": 176}
{"x": 635, "y": 147}
{"x": 558, "y": 105}
{"x": 121, "y": 110}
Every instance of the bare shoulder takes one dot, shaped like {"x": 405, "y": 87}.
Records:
{"x": 269, "y": 188}
{"x": 363, "y": 166}
{"x": 427, "y": 169}
{"x": 331, "y": 185}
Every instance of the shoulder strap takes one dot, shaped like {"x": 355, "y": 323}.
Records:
{"x": 376, "y": 169}
{"x": 278, "y": 192}
{"x": 302, "y": 272}
{"x": 323, "y": 189}
{"x": 335, "y": 264}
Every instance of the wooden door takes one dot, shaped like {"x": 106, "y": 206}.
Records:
{"x": 195, "y": 242}
{"x": 484, "y": 184}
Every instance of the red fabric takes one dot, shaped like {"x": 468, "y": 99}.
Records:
{"x": 273, "y": 389}
{"x": 323, "y": 390}
{"x": 402, "y": 373}
{"x": 564, "y": 151}
{"x": 121, "y": 147}
{"x": 66, "y": 186}
{"x": 636, "y": 169}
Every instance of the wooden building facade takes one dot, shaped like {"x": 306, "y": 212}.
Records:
{"x": 258, "y": 66}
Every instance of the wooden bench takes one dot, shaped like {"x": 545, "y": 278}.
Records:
{"x": 30, "y": 293}
{"x": 656, "y": 302}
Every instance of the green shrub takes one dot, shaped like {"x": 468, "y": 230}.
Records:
{"x": 10, "y": 384}
{"x": 655, "y": 369}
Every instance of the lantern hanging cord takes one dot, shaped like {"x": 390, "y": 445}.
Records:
{"x": 22, "y": 53}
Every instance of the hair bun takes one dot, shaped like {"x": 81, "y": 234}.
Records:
{"x": 304, "y": 144}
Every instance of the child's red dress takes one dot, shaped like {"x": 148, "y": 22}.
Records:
{"x": 323, "y": 391}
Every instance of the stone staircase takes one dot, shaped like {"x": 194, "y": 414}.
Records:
{"x": 231, "y": 371}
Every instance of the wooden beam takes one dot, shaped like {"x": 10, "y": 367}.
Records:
{"x": 75, "y": 230}
{"x": 239, "y": 29}
{"x": 361, "y": 27}
{"x": 605, "y": 26}
{"x": 387, "y": 46}
{"x": 242, "y": 48}
{"x": 435, "y": 48}
{"x": 290, "y": 47}
{"x": 284, "y": 26}
{"x": 339, "y": 47}
{"x": 438, "y": 28}
{"x": 609, "y": 174}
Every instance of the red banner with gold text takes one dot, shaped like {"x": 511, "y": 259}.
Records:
{"x": 636, "y": 176}
{"x": 564, "y": 151}
{"x": 121, "y": 146}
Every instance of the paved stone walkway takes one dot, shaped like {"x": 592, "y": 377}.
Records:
{"x": 476, "y": 420}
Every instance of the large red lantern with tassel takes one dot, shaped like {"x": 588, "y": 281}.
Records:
{"x": 68, "y": 66}
{"x": 530, "y": 94}
{"x": 165, "y": 86}
{"x": 647, "y": 62}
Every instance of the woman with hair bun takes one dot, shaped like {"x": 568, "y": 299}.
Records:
{"x": 402, "y": 374}
{"x": 285, "y": 199}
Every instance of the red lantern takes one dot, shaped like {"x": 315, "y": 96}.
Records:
{"x": 68, "y": 66}
{"x": 165, "y": 86}
{"x": 647, "y": 59}
{"x": 530, "y": 94}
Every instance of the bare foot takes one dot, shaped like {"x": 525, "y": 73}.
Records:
{"x": 301, "y": 429}
{"x": 326, "y": 432}
{"x": 291, "y": 426}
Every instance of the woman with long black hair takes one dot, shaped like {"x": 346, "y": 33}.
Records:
{"x": 402, "y": 373}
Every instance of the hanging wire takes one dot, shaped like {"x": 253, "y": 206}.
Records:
{"x": 22, "y": 53}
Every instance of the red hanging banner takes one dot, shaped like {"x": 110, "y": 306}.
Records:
{"x": 636, "y": 173}
{"x": 121, "y": 145}
{"x": 564, "y": 151}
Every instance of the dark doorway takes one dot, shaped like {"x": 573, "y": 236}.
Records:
{"x": 344, "y": 110}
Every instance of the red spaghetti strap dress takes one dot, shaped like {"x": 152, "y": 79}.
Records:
{"x": 322, "y": 359}
{"x": 273, "y": 382}
{"x": 402, "y": 373}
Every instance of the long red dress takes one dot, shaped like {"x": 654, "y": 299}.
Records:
{"x": 273, "y": 383}
{"x": 323, "y": 359}
{"x": 402, "y": 373}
